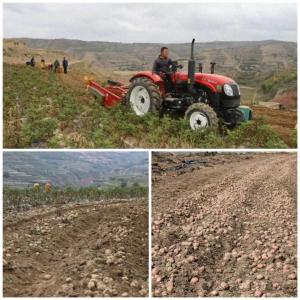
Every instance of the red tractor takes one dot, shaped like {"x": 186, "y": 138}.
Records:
{"x": 203, "y": 99}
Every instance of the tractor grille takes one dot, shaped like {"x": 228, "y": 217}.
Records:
{"x": 231, "y": 102}
{"x": 235, "y": 90}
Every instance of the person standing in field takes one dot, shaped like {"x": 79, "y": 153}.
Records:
{"x": 48, "y": 187}
{"x": 43, "y": 63}
{"x": 65, "y": 65}
{"x": 56, "y": 66}
{"x": 36, "y": 187}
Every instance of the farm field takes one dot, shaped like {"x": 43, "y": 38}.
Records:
{"x": 57, "y": 112}
{"x": 47, "y": 110}
{"x": 75, "y": 224}
{"x": 218, "y": 231}
{"x": 96, "y": 248}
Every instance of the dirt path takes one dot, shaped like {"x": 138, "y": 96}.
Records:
{"x": 99, "y": 250}
{"x": 229, "y": 230}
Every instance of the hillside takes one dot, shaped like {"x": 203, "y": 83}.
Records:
{"x": 247, "y": 62}
{"x": 15, "y": 51}
{"x": 74, "y": 168}
{"x": 254, "y": 65}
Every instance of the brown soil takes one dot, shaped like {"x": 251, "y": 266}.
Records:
{"x": 287, "y": 99}
{"x": 226, "y": 230}
{"x": 283, "y": 121}
{"x": 83, "y": 250}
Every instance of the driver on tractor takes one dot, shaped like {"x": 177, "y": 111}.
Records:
{"x": 162, "y": 66}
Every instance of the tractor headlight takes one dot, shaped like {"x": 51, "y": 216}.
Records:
{"x": 228, "y": 90}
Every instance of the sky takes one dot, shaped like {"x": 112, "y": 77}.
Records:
{"x": 150, "y": 23}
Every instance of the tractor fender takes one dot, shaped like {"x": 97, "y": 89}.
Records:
{"x": 214, "y": 94}
{"x": 148, "y": 74}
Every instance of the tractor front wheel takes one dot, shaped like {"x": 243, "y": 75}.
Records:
{"x": 143, "y": 96}
{"x": 201, "y": 115}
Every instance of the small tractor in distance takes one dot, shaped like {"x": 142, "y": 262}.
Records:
{"x": 203, "y": 99}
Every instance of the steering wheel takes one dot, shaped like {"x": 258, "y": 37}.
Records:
{"x": 172, "y": 68}
{"x": 175, "y": 66}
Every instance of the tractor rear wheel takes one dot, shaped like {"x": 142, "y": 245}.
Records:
{"x": 143, "y": 96}
{"x": 201, "y": 115}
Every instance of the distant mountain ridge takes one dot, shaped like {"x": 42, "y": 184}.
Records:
{"x": 64, "y": 44}
{"x": 74, "y": 168}
{"x": 247, "y": 61}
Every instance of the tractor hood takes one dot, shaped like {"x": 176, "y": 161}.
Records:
{"x": 214, "y": 79}
{"x": 214, "y": 82}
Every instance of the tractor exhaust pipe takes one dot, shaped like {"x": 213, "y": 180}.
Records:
{"x": 212, "y": 67}
{"x": 192, "y": 49}
{"x": 191, "y": 68}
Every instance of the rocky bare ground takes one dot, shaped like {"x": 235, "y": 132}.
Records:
{"x": 84, "y": 250}
{"x": 228, "y": 230}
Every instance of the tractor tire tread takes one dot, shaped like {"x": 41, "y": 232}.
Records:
{"x": 209, "y": 111}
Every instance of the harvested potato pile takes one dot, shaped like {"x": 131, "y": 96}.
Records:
{"x": 227, "y": 230}
{"x": 98, "y": 249}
